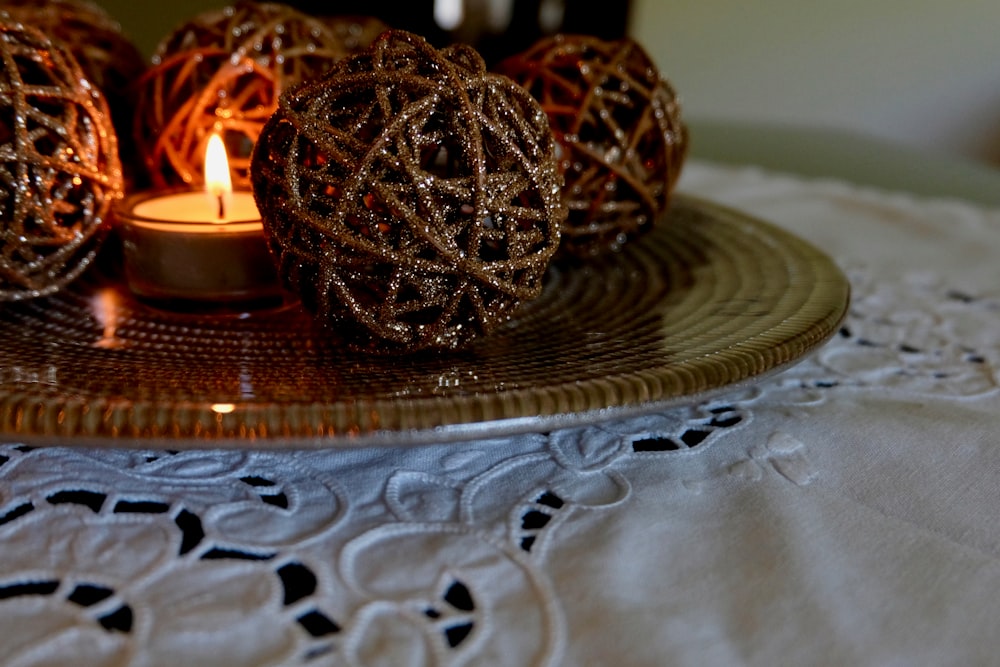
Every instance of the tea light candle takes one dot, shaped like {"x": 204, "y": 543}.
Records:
{"x": 197, "y": 245}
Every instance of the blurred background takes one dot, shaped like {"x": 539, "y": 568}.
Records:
{"x": 922, "y": 73}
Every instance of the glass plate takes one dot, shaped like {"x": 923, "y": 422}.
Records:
{"x": 710, "y": 299}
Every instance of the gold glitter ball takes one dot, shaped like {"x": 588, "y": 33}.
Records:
{"x": 222, "y": 72}
{"x": 618, "y": 123}
{"x": 411, "y": 198}
{"x": 107, "y": 57}
{"x": 59, "y": 167}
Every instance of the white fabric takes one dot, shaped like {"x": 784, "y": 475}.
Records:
{"x": 844, "y": 512}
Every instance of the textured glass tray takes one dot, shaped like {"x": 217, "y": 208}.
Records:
{"x": 710, "y": 299}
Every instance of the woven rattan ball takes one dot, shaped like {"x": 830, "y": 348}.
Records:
{"x": 223, "y": 71}
{"x": 59, "y": 168}
{"x": 618, "y": 122}
{"x": 353, "y": 33}
{"x": 412, "y": 199}
{"x": 107, "y": 57}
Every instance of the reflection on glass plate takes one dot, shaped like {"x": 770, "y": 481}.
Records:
{"x": 710, "y": 299}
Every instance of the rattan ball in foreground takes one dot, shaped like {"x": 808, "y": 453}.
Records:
{"x": 619, "y": 125}
{"x": 223, "y": 72}
{"x": 59, "y": 167}
{"x": 411, "y": 198}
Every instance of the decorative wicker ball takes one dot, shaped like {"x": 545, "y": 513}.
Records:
{"x": 223, "y": 72}
{"x": 59, "y": 168}
{"x": 107, "y": 57}
{"x": 619, "y": 125}
{"x": 411, "y": 198}
{"x": 353, "y": 33}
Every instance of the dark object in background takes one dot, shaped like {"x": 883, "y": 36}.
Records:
{"x": 520, "y": 24}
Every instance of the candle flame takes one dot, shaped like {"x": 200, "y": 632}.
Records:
{"x": 218, "y": 182}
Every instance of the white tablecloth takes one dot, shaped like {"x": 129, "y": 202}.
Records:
{"x": 845, "y": 512}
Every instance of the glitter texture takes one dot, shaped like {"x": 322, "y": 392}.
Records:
{"x": 411, "y": 198}
{"x": 223, "y": 71}
{"x": 618, "y": 123}
{"x": 59, "y": 168}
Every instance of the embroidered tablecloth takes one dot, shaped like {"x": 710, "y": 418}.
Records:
{"x": 842, "y": 512}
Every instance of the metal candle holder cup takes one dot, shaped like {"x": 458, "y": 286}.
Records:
{"x": 170, "y": 255}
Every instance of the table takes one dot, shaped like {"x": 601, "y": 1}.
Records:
{"x": 842, "y": 512}
{"x": 823, "y": 152}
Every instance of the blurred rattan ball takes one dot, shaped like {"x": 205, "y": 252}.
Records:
{"x": 619, "y": 125}
{"x": 411, "y": 198}
{"x": 223, "y": 72}
{"x": 59, "y": 167}
{"x": 353, "y": 33}
{"x": 107, "y": 57}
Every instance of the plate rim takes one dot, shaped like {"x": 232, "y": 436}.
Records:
{"x": 456, "y": 430}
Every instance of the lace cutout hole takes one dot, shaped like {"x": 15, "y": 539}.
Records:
{"x": 140, "y": 507}
{"x": 457, "y": 634}
{"x": 299, "y": 582}
{"x": 87, "y": 595}
{"x": 191, "y": 531}
{"x": 459, "y": 597}
{"x": 92, "y": 500}
{"x": 16, "y": 513}
{"x": 120, "y": 619}
{"x": 28, "y": 588}
{"x": 655, "y": 445}
{"x": 317, "y": 624}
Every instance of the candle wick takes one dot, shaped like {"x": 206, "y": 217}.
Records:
{"x": 222, "y": 206}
